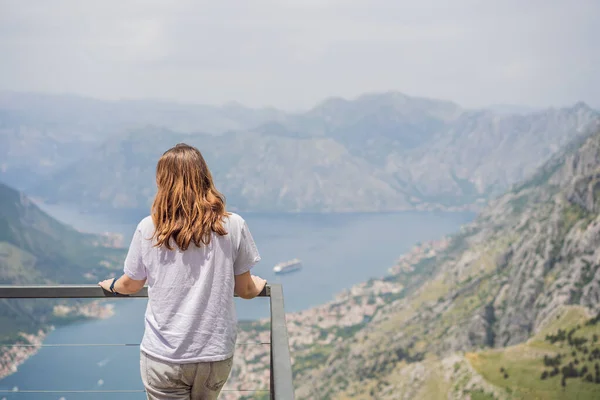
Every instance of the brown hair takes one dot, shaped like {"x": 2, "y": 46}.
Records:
{"x": 187, "y": 206}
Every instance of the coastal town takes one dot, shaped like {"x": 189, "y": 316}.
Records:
{"x": 407, "y": 262}
{"x": 110, "y": 240}
{"x": 14, "y": 354}
{"x": 11, "y": 356}
{"x": 323, "y": 326}
{"x": 94, "y": 309}
{"x": 318, "y": 327}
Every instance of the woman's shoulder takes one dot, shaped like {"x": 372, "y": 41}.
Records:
{"x": 146, "y": 224}
{"x": 234, "y": 221}
{"x": 234, "y": 218}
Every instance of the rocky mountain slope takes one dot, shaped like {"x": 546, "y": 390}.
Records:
{"x": 478, "y": 315}
{"x": 40, "y": 134}
{"x": 37, "y": 249}
{"x": 532, "y": 252}
{"x": 380, "y": 152}
{"x": 484, "y": 153}
{"x": 255, "y": 172}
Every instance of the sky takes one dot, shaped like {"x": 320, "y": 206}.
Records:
{"x": 292, "y": 54}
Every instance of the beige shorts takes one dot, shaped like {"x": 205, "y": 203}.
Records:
{"x": 196, "y": 381}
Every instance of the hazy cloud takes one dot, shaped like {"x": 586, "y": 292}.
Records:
{"x": 293, "y": 53}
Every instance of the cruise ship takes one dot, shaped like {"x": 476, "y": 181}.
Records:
{"x": 287, "y": 266}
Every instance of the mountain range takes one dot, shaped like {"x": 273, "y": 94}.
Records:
{"x": 378, "y": 152}
{"x": 41, "y": 133}
{"x": 508, "y": 308}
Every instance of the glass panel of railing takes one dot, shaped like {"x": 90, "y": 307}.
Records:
{"x": 93, "y": 351}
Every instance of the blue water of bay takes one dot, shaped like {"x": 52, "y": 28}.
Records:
{"x": 337, "y": 251}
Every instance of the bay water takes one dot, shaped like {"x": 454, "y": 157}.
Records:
{"x": 337, "y": 251}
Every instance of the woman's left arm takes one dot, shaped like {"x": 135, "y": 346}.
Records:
{"x": 135, "y": 274}
{"x": 123, "y": 285}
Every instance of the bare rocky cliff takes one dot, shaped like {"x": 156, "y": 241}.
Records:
{"x": 500, "y": 281}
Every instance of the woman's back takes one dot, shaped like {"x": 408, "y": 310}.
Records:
{"x": 191, "y": 314}
{"x": 194, "y": 255}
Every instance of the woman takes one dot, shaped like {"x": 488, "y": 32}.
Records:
{"x": 194, "y": 256}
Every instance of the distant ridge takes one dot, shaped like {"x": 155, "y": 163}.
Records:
{"x": 404, "y": 152}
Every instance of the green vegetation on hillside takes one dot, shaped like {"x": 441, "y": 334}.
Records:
{"x": 557, "y": 363}
{"x": 32, "y": 241}
{"x": 37, "y": 249}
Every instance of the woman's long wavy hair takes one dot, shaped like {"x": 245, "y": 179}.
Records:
{"x": 187, "y": 207}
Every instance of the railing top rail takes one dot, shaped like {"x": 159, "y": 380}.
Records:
{"x": 76, "y": 292}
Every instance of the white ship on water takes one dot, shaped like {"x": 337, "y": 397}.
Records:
{"x": 287, "y": 266}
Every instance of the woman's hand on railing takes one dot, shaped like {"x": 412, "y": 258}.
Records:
{"x": 248, "y": 286}
{"x": 122, "y": 286}
{"x": 260, "y": 284}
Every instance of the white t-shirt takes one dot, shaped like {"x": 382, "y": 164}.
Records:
{"x": 191, "y": 315}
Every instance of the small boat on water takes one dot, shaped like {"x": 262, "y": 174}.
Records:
{"x": 288, "y": 266}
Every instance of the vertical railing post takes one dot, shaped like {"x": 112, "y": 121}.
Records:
{"x": 271, "y": 379}
{"x": 282, "y": 387}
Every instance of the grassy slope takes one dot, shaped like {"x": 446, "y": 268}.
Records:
{"x": 61, "y": 253}
{"x": 36, "y": 248}
{"x": 524, "y": 363}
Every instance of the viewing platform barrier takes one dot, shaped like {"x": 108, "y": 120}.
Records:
{"x": 281, "y": 384}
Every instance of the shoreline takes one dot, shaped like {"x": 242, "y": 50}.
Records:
{"x": 366, "y": 297}
{"x": 134, "y": 215}
{"x": 325, "y": 325}
{"x": 328, "y": 322}
{"x": 14, "y": 355}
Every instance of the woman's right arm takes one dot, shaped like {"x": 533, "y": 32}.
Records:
{"x": 246, "y": 256}
{"x": 248, "y": 286}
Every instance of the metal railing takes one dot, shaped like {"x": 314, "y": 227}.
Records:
{"x": 281, "y": 385}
